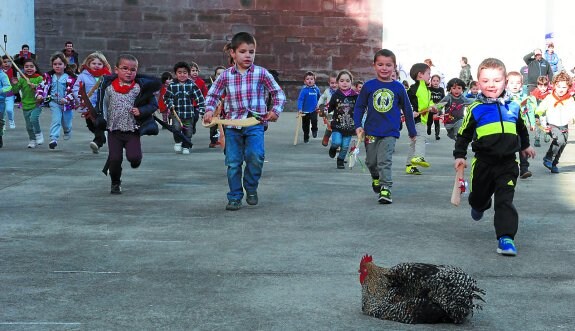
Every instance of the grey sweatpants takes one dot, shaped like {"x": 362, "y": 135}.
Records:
{"x": 378, "y": 151}
{"x": 417, "y": 147}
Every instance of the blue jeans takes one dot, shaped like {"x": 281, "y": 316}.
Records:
{"x": 245, "y": 144}
{"x": 2, "y": 110}
{"x": 60, "y": 119}
{"x": 339, "y": 140}
{"x": 10, "y": 107}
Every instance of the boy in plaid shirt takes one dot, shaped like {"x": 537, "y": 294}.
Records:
{"x": 180, "y": 98}
{"x": 246, "y": 86}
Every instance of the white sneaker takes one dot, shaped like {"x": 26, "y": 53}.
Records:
{"x": 39, "y": 139}
{"x": 94, "y": 147}
{"x": 12, "y": 124}
{"x": 67, "y": 135}
{"x": 32, "y": 144}
{"x": 178, "y": 148}
{"x": 186, "y": 151}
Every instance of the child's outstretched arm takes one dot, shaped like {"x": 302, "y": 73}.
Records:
{"x": 277, "y": 94}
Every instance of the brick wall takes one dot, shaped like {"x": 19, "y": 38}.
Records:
{"x": 293, "y": 36}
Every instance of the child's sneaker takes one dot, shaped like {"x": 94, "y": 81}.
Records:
{"x": 412, "y": 170}
{"x": 554, "y": 170}
{"x": 375, "y": 185}
{"x": 12, "y": 124}
{"x": 546, "y": 138}
{"x": 53, "y": 144}
{"x": 537, "y": 143}
{"x": 94, "y": 147}
{"x": 340, "y": 163}
{"x": 67, "y": 135}
{"x": 506, "y": 246}
{"x": 234, "y": 205}
{"x": 39, "y": 138}
{"x": 384, "y": 196}
{"x": 252, "y": 198}
{"x": 419, "y": 161}
{"x": 547, "y": 163}
{"x": 32, "y": 144}
{"x": 476, "y": 215}
{"x": 185, "y": 151}
{"x": 178, "y": 147}
{"x": 116, "y": 189}
{"x": 332, "y": 151}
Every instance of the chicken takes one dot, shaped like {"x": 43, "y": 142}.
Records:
{"x": 417, "y": 292}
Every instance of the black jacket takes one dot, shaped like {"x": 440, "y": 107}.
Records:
{"x": 145, "y": 101}
{"x": 536, "y": 68}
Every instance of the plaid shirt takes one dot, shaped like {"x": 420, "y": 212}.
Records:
{"x": 182, "y": 97}
{"x": 245, "y": 93}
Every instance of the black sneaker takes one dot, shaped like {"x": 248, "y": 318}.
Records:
{"x": 314, "y": 134}
{"x": 437, "y": 137}
{"x": 234, "y": 205}
{"x": 525, "y": 174}
{"x": 1, "y": 142}
{"x": 252, "y": 198}
{"x": 332, "y": 151}
{"x": 340, "y": 164}
{"x": 375, "y": 185}
{"x": 116, "y": 189}
{"x": 385, "y": 196}
{"x": 53, "y": 144}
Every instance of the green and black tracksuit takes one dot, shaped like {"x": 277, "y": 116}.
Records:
{"x": 496, "y": 131}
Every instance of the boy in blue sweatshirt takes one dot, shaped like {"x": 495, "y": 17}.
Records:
{"x": 306, "y": 105}
{"x": 496, "y": 131}
{"x": 383, "y": 99}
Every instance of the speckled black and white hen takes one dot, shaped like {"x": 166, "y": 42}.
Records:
{"x": 418, "y": 292}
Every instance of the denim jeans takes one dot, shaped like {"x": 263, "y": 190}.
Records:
{"x": 2, "y": 111}
{"x": 10, "y": 107}
{"x": 32, "y": 119}
{"x": 339, "y": 140}
{"x": 245, "y": 144}
{"x": 60, "y": 120}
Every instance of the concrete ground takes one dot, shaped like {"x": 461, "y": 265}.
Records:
{"x": 165, "y": 255}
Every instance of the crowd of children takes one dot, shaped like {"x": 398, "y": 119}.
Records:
{"x": 494, "y": 114}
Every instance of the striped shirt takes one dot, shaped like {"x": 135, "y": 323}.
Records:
{"x": 245, "y": 93}
{"x": 181, "y": 96}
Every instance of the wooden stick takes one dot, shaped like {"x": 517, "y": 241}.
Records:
{"x": 250, "y": 121}
{"x": 15, "y": 66}
{"x": 177, "y": 118}
{"x": 456, "y": 193}
{"x": 297, "y": 128}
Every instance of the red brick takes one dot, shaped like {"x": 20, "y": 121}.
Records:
{"x": 279, "y": 4}
{"x": 212, "y": 18}
{"x": 290, "y": 20}
{"x": 313, "y": 21}
{"x": 237, "y": 18}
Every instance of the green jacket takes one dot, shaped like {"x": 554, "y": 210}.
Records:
{"x": 28, "y": 94}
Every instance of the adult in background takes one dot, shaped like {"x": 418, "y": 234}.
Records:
{"x": 465, "y": 73}
{"x": 435, "y": 71}
{"x": 71, "y": 55}
{"x": 23, "y": 55}
{"x": 536, "y": 66}
{"x": 552, "y": 58}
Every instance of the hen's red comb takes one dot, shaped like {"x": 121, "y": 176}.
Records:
{"x": 366, "y": 258}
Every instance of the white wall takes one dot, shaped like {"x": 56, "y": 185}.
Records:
{"x": 17, "y": 23}
{"x": 446, "y": 30}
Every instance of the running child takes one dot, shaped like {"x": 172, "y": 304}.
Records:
{"x": 382, "y": 100}
{"x": 306, "y": 104}
{"x": 340, "y": 108}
